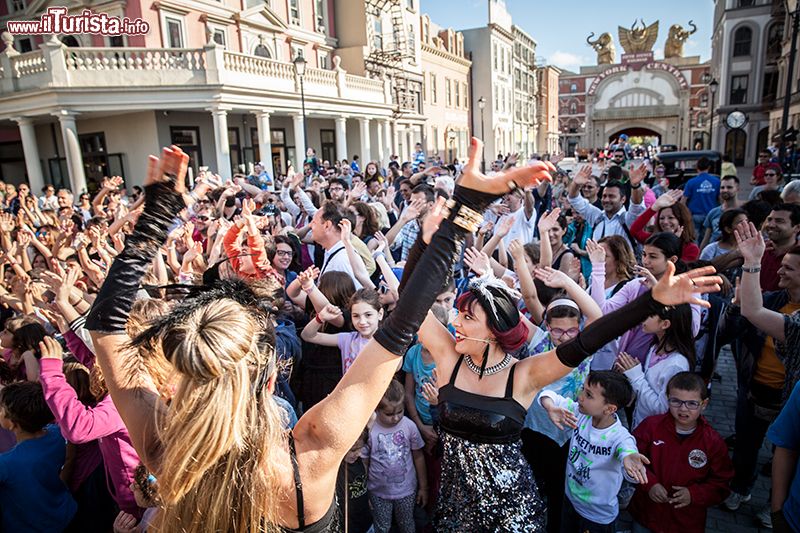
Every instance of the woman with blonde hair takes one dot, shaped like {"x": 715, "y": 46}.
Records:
{"x": 218, "y": 449}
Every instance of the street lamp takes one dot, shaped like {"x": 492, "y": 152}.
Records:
{"x": 481, "y": 106}
{"x": 713, "y": 85}
{"x": 300, "y": 70}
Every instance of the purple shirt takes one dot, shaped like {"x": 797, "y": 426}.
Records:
{"x": 81, "y": 424}
{"x": 350, "y": 344}
{"x": 391, "y": 463}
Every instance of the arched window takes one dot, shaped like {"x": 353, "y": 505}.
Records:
{"x": 742, "y": 40}
{"x": 262, "y": 51}
{"x": 774, "y": 42}
{"x": 70, "y": 41}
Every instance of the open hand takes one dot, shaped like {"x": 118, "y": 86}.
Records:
{"x": 582, "y": 176}
{"x": 625, "y": 362}
{"x": 597, "y": 254}
{"x": 477, "y": 261}
{"x": 562, "y": 418}
{"x": 649, "y": 279}
{"x": 502, "y": 182}
{"x": 49, "y": 348}
{"x": 552, "y": 277}
{"x": 667, "y": 199}
{"x": 751, "y": 243}
{"x": 548, "y": 222}
{"x": 682, "y": 289}
{"x": 634, "y": 467}
{"x": 517, "y": 251}
{"x": 638, "y": 174}
{"x": 173, "y": 161}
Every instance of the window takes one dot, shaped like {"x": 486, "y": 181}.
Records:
{"x": 262, "y": 51}
{"x": 701, "y": 121}
{"x": 517, "y": 81}
{"x": 435, "y": 138}
{"x": 294, "y": 12}
{"x": 426, "y": 32}
{"x": 17, "y": 5}
{"x": 573, "y": 88}
{"x": 738, "y": 89}
{"x": 24, "y": 45}
{"x": 770, "y": 88}
{"x": 174, "y": 32}
{"x": 219, "y": 37}
{"x": 745, "y": 3}
{"x": 457, "y": 90}
{"x": 235, "y": 148}
{"x": 774, "y": 42}
{"x": 742, "y": 40}
{"x": 116, "y": 41}
{"x": 410, "y": 4}
{"x": 573, "y": 108}
{"x": 448, "y": 93}
{"x": 434, "y": 96}
{"x": 465, "y": 95}
{"x": 377, "y": 33}
{"x": 328, "y": 144}
{"x": 71, "y": 41}
{"x": 319, "y": 14}
{"x": 297, "y": 51}
{"x": 412, "y": 38}
{"x": 322, "y": 59}
{"x": 494, "y": 55}
{"x": 704, "y": 100}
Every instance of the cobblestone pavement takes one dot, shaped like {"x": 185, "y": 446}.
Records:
{"x": 720, "y": 413}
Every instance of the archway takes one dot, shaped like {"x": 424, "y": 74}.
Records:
{"x": 735, "y": 146}
{"x": 638, "y": 135}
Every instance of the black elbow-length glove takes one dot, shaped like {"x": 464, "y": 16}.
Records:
{"x": 607, "y": 328}
{"x": 110, "y": 311}
{"x": 430, "y": 270}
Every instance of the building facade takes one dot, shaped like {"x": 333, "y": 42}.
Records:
{"x": 662, "y": 101}
{"x": 446, "y": 95}
{"x": 548, "y": 109}
{"x": 525, "y": 118}
{"x": 749, "y": 54}
{"x": 217, "y": 80}
{"x": 491, "y": 51}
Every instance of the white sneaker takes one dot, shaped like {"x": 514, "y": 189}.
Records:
{"x": 764, "y": 516}
{"x": 735, "y": 500}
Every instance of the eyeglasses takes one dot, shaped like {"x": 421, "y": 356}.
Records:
{"x": 284, "y": 253}
{"x": 692, "y": 405}
{"x": 770, "y": 174}
{"x": 558, "y": 332}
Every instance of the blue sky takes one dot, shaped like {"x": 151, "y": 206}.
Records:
{"x": 560, "y": 27}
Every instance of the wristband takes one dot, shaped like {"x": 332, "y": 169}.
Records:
{"x": 752, "y": 270}
{"x": 318, "y": 320}
{"x": 637, "y": 186}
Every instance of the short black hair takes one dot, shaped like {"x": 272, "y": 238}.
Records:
{"x": 616, "y": 185}
{"x": 792, "y": 209}
{"x": 371, "y": 180}
{"x": 731, "y": 177}
{"x": 425, "y": 189}
{"x": 688, "y": 381}
{"x": 24, "y": 404}
{"x": 332, "y": 213}
{"x": 617, "y": 389}
{"x": 615, "y": 173}
{"x": 703, "y": 164}
{"x": 341, "y": 182}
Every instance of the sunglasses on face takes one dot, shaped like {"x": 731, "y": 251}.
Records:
{"x": 383, "y": 289}
{"x": 203, "y": 218}
{"x": 770, "y": 174}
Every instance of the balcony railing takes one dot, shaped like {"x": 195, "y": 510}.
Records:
{"x": 54, "y": 66}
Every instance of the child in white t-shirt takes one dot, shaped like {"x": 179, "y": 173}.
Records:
{"x": 599, "y": 447}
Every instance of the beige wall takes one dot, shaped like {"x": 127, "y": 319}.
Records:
{"x": 442, "y": 117}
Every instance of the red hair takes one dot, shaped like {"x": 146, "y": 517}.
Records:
{"x": 510, "y": 339}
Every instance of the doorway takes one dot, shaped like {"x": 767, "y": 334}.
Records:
{"x": 327, "y": 145}
{"x": 736, "y": 145}
{"x": 188, "y": 139}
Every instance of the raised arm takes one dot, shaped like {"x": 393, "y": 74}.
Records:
{"x": 546, "y": 223}
{"x": 134, "y": 394}
{"x": 559, "y": 280}
{"x": 526, "y": 284}
{"x": 751, "y": 245}
{"x": 359, "y": 269}
{"x": 329, "y": 429}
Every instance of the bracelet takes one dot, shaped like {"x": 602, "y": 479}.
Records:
{"x": 637, "y": 186}
{"x": 751, "y": 270}
{"x": 307, "y": 291}
{"x": 318, "y": 320}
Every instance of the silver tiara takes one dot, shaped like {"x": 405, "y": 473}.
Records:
{"x": 481, "y": 284}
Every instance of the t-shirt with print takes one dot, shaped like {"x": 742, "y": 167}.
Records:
{"x": 350, "y": 343}
{"x": 594, "y": 464}
{"x": 422, "y": 372}
{"x": 569, "y": 387}
{"x": 391, "y": 463}
{"x": 702, "y": 193}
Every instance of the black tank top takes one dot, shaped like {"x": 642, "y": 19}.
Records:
{"x": 479, "y": 418}
{"x": 326, "y": 524}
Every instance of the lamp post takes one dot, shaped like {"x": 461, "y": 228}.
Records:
{"x": 482, "y": 106}
{"x": 789, "y": 79}
{"x": 713, "y": 85}
{"x": 300, "y": 70}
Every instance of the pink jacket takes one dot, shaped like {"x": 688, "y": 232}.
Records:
{"x": 80, "y": 424}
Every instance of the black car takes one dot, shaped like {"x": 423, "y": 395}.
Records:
{"x": 682, "y": 166}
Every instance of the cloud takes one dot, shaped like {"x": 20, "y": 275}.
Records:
{"x": 563, "y": 59}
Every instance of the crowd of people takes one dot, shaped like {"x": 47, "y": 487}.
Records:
{"x": 409, "y": 347}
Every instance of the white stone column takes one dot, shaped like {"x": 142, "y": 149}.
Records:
{"x": 72, "y": 150}
{"x": 381, "y": 151}
{"x": 365, "y": 154}
{"x": 222, "y": 147}
{"x": 388, "y": 139}
{"x": 27, "y": 132}
{"x": 409, "y": 143}
{"x": 396, "y": 141}
{"x": 265, "y": 141}
{"x": 299, "y": 142}
{"x": 341, "y": 138}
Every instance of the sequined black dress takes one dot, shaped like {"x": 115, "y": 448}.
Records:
{"x": 487, "y": 485}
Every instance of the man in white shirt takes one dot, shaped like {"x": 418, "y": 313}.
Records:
{"x": 49, "y": 200}
{"x": 521, "y": 211}
{"x": 613, "y": 219}
{"x": 326, "y": 233}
